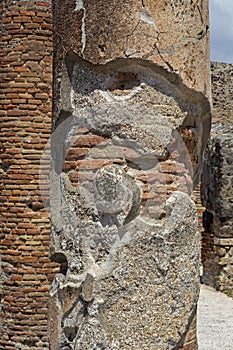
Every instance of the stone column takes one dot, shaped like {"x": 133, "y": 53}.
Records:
{"x": 131, "y": 118}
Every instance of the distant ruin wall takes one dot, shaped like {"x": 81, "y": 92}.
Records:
{"x": 26, "y": 271}
{"x": 216, "y": 188}
{"x": 222, "y": 91}
{"x": 217, "y": 197}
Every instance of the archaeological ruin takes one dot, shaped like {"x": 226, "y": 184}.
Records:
{"x": 105, "y": 115}
{"x": 216, "y": 188}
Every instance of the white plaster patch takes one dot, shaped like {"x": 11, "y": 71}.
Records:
{"x": 80, "y": 6}
{"x": 147, "y": 18}
{"x": 110, "y": 97}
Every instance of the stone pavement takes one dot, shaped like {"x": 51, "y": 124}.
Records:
{"x": 214, "y": 320}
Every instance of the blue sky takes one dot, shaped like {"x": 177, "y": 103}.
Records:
{"x": 221, "y": 30}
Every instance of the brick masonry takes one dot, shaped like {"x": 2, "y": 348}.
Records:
{"x": 25, "y": 118}
{"x": 87, "y": 154}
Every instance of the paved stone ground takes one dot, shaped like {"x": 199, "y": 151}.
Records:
{"x": 214, "y": 320}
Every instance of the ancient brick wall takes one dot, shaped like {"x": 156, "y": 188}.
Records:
{"x": 25, "y": 118}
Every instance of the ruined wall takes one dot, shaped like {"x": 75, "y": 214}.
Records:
{"x": 131, "y": 119}
{"x": 217, "y": 197}
{"x": 217, "y": 185}
{"x": 222, "y": 90}
{"x": 25, "y": 120}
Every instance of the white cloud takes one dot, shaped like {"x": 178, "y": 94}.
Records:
{"x": 221, "y": 30}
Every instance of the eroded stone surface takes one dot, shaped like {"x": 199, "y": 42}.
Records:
{"x": 141, "y": 292}
{"x": 117, "y": 197}
{"x": 131, "y": 119}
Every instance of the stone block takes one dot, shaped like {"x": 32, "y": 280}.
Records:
{"x": 220, "y": 241}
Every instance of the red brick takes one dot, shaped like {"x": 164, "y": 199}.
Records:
{"x": 37, "y": 20}
{"x": 91, "y": 164}
{"x": 40, "y": 3}
{"x": 22, "y": 19}
{"x": 26, "y": 259}
{"x": 12, "y": 252}
{"x": 7, "y": 20}
{"x": 41, "y": 95}
{"x": 12, "y": 26}
{"x": 34, "y": 101}
{"x": 74, "y": 153}
{"x": 27, "y": 13}
{"x": 172, "y": 167}
{"x": 6, "y": 38}
{"x": 22, "y": 69}
{"x": 88, "y": 140}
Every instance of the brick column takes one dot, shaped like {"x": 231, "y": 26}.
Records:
{"x": 25, "y": 110}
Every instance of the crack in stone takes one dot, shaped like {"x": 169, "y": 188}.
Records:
{"x": 163, "y": 59}
{"x": 127, "y": 40}
{"x": 201, "y": 35}
{"x": 146, "y": 18}
{"x": 199, "y": 10}
{"x": 80, "y": 6}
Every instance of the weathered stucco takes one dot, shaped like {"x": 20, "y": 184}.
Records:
{"x": 174, "y": 34}
{"x": 131, "y": 119}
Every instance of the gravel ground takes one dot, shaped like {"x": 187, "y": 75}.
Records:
{"x": 214, "y": 320}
